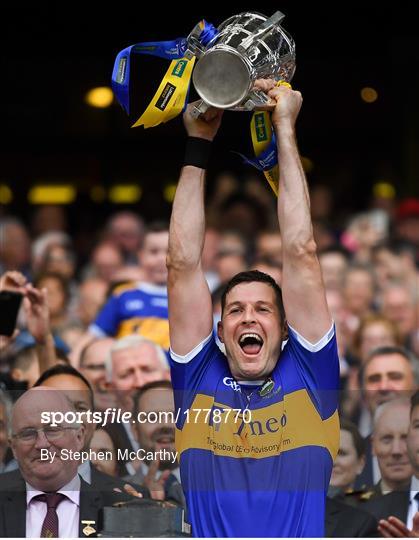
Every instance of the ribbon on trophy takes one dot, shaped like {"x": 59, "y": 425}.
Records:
{"x": 171, "y": 96}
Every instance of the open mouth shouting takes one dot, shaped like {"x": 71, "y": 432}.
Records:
{"x": 251, "y": 343}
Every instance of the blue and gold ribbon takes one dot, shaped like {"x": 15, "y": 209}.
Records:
{"x": 171, "y": 96}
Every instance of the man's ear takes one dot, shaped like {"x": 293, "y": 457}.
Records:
{"x": 220, "y": 331}
{"x": 284, "y": 330}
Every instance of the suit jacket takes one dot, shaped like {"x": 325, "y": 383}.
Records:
{"x": 172, "y": 487}
{"x": 395, "y": 504}
{"x": 13, "y": 504}
{"x": 366, "y": 477}
{"x": 344, "y": 521}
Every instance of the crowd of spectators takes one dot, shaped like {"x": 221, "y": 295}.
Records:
{"x": 94, "y": 324}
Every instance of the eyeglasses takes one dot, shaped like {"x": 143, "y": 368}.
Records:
{"x": 52, "y": 433}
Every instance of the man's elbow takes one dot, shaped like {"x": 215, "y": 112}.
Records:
{"x": 301, "y": 248}
{"x": 175, "y": 262}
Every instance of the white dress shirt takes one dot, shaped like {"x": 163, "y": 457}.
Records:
{"x": 68, "y": 511}
{"x": 413, "y": 503}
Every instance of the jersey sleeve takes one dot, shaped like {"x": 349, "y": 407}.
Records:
{"x": 107, "y": 321}
{"x": 318, "y": 366}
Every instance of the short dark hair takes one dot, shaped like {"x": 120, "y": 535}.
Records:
{"x": 358, "y": 440}
{"x": 385, "y": 351}
{"x": 64, "y": 369}
{"x": 149, "y": 386}
{"x": 251, "y": 276}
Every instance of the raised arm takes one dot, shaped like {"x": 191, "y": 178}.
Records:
{"x": 302, "y": 285}
{"x": 190, "y": 307}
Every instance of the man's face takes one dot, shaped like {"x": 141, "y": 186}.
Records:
{"x": 413, "y": 440}
{"x": 250, "y": 329}
{"x": 333, "y": 266}
{"x": 359, "y": 291}
{"x": 399, "y": 308}
{"x": 157, "y": 436}
{"x": 152, "y": 257}
{"x": 376, "y": 334}
{"x": 387, "y": 377}
{"x": 78, "y": 394}
{"x": 134, "y": 367}
{"x": 389, "y": 444}
{"x": 93, "y": 368}
{"x": 44, "y": 474}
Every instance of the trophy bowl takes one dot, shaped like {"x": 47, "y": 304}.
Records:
{"x": 248, "y": 47}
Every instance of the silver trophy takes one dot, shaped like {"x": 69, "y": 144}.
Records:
{"x": 248, "y": 46}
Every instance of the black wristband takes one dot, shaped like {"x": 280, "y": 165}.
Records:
{"x": 197, "y": 152}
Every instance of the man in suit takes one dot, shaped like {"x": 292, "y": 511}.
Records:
{"x": 387, "y": 374}
{"x": 46, "y": 497}
{"x": 160, "y": 475}
{"x": 133, "y": 361}
{"x": 403, "y": 504}
{"x": 344, "y": 521}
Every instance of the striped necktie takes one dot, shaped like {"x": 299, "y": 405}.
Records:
{"x": 50, "y": 524}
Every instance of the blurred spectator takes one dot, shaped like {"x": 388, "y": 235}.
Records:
{"x": 399, "y": 306}
{"x": 14, "y": 246}
{"x": 126, "y": 229}
{"x": 243, "y": 214}
{"x": 141, "y": 308}
{"x": 102, "y": 441}
{"x": 5, "y": 412}
{"x": 71, "y": 333}
{"x": 324, "y": 235}
{"x": 24, "y": 367}
{"x": 321, "y": 202}
{"x": 41, "y": 245}
{"x": 58, "y": 297}
{"x": 91, "y": 297}
{"x": 407, "y": 222}
{"x": 230, "y": 263}
{"x": 47, "y": 218}
{"x": 394, "y": 261}
{"x": 365, "y": 231}
{"x": 374, "y": 331}
{"x": 93, "y": 367}
{"x": 59, "y": 260}
{"x": 161, "y": 477}
{"x": 349, "y": 461}
{"x": 389, "y": 446}
{"x": 334, "y": 263}
{"x": 106, "y": 261}
{"x": 358, "y": 291}
{"x": 269, "y": 244}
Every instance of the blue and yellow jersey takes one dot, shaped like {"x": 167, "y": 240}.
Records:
{"x": 257, "y": 465}
{"x": 135, "y": 309}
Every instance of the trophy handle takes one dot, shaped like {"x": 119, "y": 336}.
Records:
{"x": 257, "y": 99}
{"x": 199, "y": 109}
{"x": 275, "y": 19}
